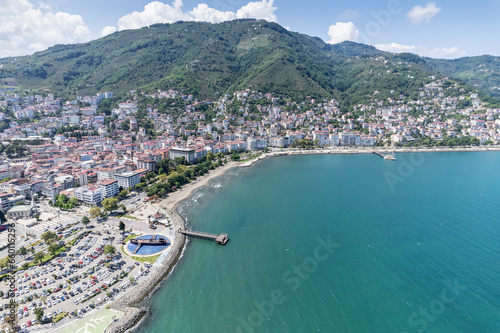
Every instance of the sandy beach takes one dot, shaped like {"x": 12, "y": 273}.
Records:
{"x": 132, "y": 303}
{"x": 173, "y": 199}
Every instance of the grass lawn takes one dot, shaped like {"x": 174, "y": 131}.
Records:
{"x": 151, "y": 259}
{"x": 130, "y": 217}
{"x": 251, "y": 157}
{"x": 59, "y": 317}
{"x": 129, "y": 237}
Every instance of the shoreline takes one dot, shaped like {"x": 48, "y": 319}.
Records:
{"x": 130, "y": 302}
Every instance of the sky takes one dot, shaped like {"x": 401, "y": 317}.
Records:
{"x": 439, "y": 29}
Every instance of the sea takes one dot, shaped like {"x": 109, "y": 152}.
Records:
{"x": 341, "y": 243}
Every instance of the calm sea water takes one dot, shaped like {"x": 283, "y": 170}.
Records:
{"x": 342, "y": 243}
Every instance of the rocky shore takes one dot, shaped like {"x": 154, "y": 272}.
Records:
{"x": 130, "y": 303}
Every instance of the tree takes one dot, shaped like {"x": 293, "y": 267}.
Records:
{"x": 125, "y": 125}
{"x": 85, "y": 220}
{"x": 110, "y": 204}
{"x": 122, "y": 194}
{"x": 73, "y": 201}
{"x": 53, "y": 248}
{"x": 235, "y": 156}
{"x": 109, "y": 249}
{"x": 4, "y": 262}
{"x": 121, "y": 226}
{"x": 49, "y": 236}
{"x": 95, "y": 212}
{"x": 63, "y": 199}
{"x": 23, "y": 251}
{"x": 123, "y": 208}
{"x": 3, "y": 219}
{"x": 38, "y": 257}
{"x": 210, "y": 156}
{"x": 39, "y": 314}
{"x": 19, "y": 203}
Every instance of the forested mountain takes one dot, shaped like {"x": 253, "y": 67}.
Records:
{"x": 206, "y": 59}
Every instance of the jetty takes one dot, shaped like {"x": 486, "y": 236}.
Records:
{"x": 148, "y": 241}
{"x": 221, "y": 239}
{"x": 386, "y": 156}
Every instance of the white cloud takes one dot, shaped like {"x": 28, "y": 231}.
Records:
{"x": 26, "y": 29}
{"x": 154, "y": 12}
{"x": 206, "y": 14}
{"x": 419, "y": 14}
{"x": 451, "y": 52}
{"x": 263, "y": 10}
{"x": 159, "y": 12}
{"x": 349, "y": 15}
{"x": 107, "y": 30}
{"x": 396, "y": 48}
{"x": 342, "y": 31}
{"x": 443, "y": 52}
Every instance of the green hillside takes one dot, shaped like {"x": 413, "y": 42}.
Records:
{"x": 481, "y": 72}
{"x": 206, "y": 59}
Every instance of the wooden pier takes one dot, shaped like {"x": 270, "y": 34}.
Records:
{"x": 221, "y": 239}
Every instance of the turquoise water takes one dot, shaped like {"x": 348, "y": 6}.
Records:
{"x": 414, "y": 247}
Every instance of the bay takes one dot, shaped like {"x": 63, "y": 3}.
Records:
{"x": 416, "y": 248}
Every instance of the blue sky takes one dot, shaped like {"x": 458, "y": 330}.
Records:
{"x": 440, "y": 28}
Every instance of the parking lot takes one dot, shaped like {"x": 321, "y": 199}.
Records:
{"x": 78, "y": 280}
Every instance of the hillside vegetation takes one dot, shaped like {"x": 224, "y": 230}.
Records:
{"x": 210, "y": 59}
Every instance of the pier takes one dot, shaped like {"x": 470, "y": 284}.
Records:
{"x": 387, "y": 156}
{"x": 221, "y": 239}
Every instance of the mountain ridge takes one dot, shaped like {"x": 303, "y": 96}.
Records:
{"x": 206, "y": 59}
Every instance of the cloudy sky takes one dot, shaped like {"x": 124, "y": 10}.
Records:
{"x": 440, "y": 29}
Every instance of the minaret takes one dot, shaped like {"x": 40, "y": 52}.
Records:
{"x": 51, "y": 186}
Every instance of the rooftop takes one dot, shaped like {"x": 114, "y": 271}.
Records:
{"x": 21, "y": 208}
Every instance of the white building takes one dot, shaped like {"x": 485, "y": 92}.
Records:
{"x": 109, "y": 188}
{"x": 187, "y": 153}
{"x": 128, "y": 179}
{"x": 89, "y": 195}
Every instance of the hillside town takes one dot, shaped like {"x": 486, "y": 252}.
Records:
{"x": 75, "y": 147}
{"x": 64, "y": 161}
